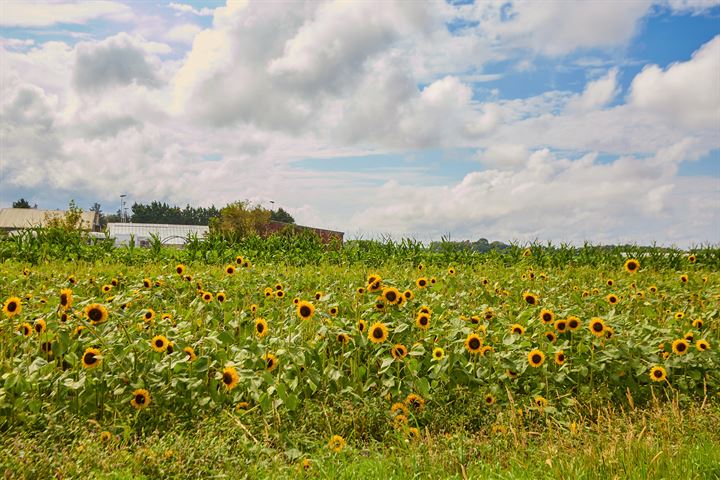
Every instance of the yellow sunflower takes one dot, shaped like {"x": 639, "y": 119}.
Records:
{"x": 66, "y": 298}
{"x": 40, "y": 326}
{"x": 421, "y": 282}
{"x": 658, "y": 374}
{"x": 530, "y": 298}
{"x": 547, "y": 316}
{"x": 612, "y": 299}
{"x": 230, "y": 378}
{"x": 517, "y": 329}
{"x": 422, "y": 321}
{"x": 361, "y": 325}
{"x": 305, "y": 310}
{"x": 190, "y": 352}
{"x": 91, "y": 358}
{"x": 632, "y": 265}
{"x": 141, "y": 399}
{"x": 271, "y": 362}
{"x": 221, "y": 297}
{"x": 550, "y": 336}
{"x": 25, "y": 329}
{"x": 261, "y": 327}
{"x": 398, "y": 351}
{"x": 473, "y": 343}
{"x": 96, "y": 313}
{"x": 378, "y": 332}
{"x": 391, "y": 295}
{"x": 159, "y": 343}
{"x": 230, "y": 269}
{"x": 414, "y": 401}
{"x": 12, "y": 306}
{"x": 702, "y": 345}
{"x": 536, "y": 358}
{"x": 680, "y": 346}
{"x": 597, "y": 327}
{"x": 573, "y": 323}
{"x": 336, "y": 443}
{"x": 438, "y": 353}
{"x": 559, "y": 357}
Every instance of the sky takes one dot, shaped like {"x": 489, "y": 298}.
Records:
{"x": 515, "y": 121}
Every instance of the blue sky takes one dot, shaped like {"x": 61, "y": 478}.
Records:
{"x": 593, "y": 121}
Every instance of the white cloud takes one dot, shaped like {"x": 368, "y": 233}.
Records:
{"x": 692, "y": 6}
{"x": 687, "y": 92}
{"x": 597, "y": 93}
{"x": 27, "y": 14}
{"x": 184, "y": 33}
{"x": 185, "y": 8}
{"x": 504, "y": 156}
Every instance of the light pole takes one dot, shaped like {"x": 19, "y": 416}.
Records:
{"x": 122, "y": 208}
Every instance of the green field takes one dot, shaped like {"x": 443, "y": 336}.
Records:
{"x": 267, "y": 359}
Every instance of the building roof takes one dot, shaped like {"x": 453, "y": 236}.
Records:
{"x": 168, "y": 234}
{"x": 18, "y": 218}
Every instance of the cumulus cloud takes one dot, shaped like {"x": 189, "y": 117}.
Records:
{"x": 185, "y": 8}
{"x": 685, "y": 91}
{"x": 597, "y": 93}
{"x": 116, "y": 61}
{"x": 31, "y": 14}
{"x": 184, "y": 33}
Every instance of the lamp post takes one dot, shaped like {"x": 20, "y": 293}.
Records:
{"x": 122, "y": 208}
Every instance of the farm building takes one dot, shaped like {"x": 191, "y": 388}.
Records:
{"x": 13, "y": 219}
{"x": 142, "y": 233}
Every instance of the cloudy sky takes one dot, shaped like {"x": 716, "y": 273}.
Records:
{"x": 509, "y": 120}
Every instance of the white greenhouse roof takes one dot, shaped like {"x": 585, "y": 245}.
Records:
{"x": 17, "y": 218}
{"x": 168, "y": 234}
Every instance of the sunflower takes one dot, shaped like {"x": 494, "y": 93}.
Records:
{"x": 702, "y": 345}
{"x": 207, "y": 297}
{"x": 253, "y": 308}
{"x": 414, "y": 401}
{"x": 106, "y": 288}
{"x": 559, "y": 357}
{"x": 653, "y": 289}
{"x": 527, "y": 252}
{"x": 511, "y": 373}
{"x": 689, "y": 336}
{"x": 433, "y": 281}
{"x": 692, "y": 258}
{"x": 684, "y": 278}
{"x": 530, "y": 298}
{"x": 91, "y": 358}
{"x": 25, "y": 329}
{"x": 336, "y": 443}
{"x": 473, "y": 343}
{"x": 612, "y": 299}
{"x": 398, "y": 351}
{"x": 378, "y": 333}
{"x": 230, "y": 269}
{"x": 485, "y": 349}
{"x": 374, "y": 283}
{"x": 305, "y": 310}
{"x": 573, "y": 323}
{"x": 64, "y": 317}
{"x": 360, "y": 290}
{"x": 149, "y": 315}
{"x": 680, "y": 346}
{"x": 333, "y": 311}
{"x": 399, "y": 409}
{"x": 698, "y": 323}
{"x": 536, "y": 358}
{"x": 280, "y": 293}
{"x": 159, "y": 343}
{"x": 540, "y": 402}
{"x": 147, "y": 283}
{"x": 12, "y": 306}
{"x": 550, "y": 336}
{"x": 380, "y": 306}
{"x": 261, "y": 327}
{"x": 72, "y": 280}
{"x": 40, "y": 326}
{"x": 180, "y": 269}
{"x": 221, "y": 297}
{"x": 141, "y": 399}
{"x": 190, "y": 352}
{"x": 632, "y": 266}
{"x": 268, "y": 292}
{"x": 547, "y": 316}
{"x": 400, "y": 421}
{"x": 105, "y": 436}
{"x": 361, "y": 325}
{"x": 391, "y": 295}
{"x": 66, "y": 298}
{"x": 271, "y": 362}
{"x": 489, "y": 399}
{"x": 489, "y": 314}
{"x": 597, "y": 327}
{"x": 517, "y": 329}
{"x": 230, "y": 377}
{"x": 421, "y": 282}
{"x": 658, "y": 374}
{"x": 239, "y": 260}
{"x": 451, "y": 271}
{"x": 438, "y": 353}
{"x": 423, "y": 321}
{"x": 166, "y": 317}
{"x": 342, "y": 338}
{"x": 242, "y": 406}
{"x": 318, "y": 295}
{"x": 96, "y": 313}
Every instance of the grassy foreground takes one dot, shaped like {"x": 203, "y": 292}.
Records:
{"x": 657, "y": 442}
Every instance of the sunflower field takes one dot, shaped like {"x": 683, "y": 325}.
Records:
{"x": 367, "y": 344}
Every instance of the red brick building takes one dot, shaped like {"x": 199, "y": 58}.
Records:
{"x": 327, "y": 236}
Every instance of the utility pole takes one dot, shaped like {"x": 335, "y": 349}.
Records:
{"x": 123, "y": 218}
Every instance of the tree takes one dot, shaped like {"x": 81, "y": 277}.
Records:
{"x": 22, "y": 203}
{"x": 102, "y": 219}
{"x": 281, "y": 216}
{"x": 71, "y": 220}
{"x": 241, "y": 219}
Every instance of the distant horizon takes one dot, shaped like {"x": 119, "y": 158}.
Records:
{"x": 578, "y": 120}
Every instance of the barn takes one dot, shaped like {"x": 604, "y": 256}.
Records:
{"x": 15, "y": 219}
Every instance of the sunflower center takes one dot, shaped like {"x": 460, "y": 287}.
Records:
{"x": 536, "y": 358}
{"x": 561, "y": 358}
{"x": 573, "y": 324}
{"x": 681, "y": 347}
{"x": 377, "y": 333}
{"x": 474, "y": 343}
{"x": 423, "y": 321}
{"x": 12, "y": 306}
{"x": 547, "y": 317}
{"x": 597, "y": 327}
{"x": 227, "y": 378}
{"x": 90, "y": 358}
{"x": 305, "y": 311}
{"x": 140, "y": 399}
{"x": 63, "y": 299}
{"x": 657, "y": 373}
{"x": 159, "y": 343}
{"x": 270, "y": 362}
{"x": 260, "y": 327}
